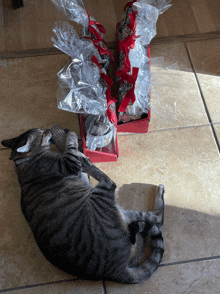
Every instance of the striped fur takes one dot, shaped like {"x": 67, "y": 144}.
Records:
{"x": 80, "y": 229}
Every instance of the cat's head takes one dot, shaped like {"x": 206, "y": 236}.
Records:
{"x": 28, "y": 143}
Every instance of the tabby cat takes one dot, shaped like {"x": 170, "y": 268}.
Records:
{"x": 79, "y": 228}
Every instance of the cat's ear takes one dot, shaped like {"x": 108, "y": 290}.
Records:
{"x": 8, "y": 143}
{"x": 27, "y": 146}
{"x": 24, "y": 148}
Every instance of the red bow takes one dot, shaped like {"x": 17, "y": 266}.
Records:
{"x": 100, "y": 49}
{"x": 132, "y": 24}
{"x": 110, "y": 100}
{"x": 125, "y": 46}
{"x": 131, "y": 79}
{"x": 128, "y": 43}
{"x": 92, "y": 29}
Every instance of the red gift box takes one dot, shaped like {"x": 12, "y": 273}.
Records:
{"x": 140, "y": 125}
{"x": 108, "y": 153}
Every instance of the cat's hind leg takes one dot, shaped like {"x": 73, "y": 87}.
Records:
{"x": 141, "y": 221}
{"x": 159, "y": 205}
{"x": 104, "y": 181}
{"x": 143, "y": 224}
{"x": 144, "y": 271}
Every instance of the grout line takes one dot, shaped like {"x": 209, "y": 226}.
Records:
{"x": 39, "y": 52}
{"x": 186, "y": 38}
{"x": 111, "y": 45}
{"x": 180, "y": 128}
{"x": 104, "y": 287}
{"x": 30, "y": 53}
{"x": 185, "y": 127}
{"x": 169, "y": 129}
{"x": 203, "y": 98}
{"x": 37, "y": 285}
{"x": 190, "y": 261}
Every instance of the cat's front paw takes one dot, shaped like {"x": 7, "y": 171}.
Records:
{"x": 72, "y": 140}
{"x": 71, "y": 134}
{"x": 86, "y": 164}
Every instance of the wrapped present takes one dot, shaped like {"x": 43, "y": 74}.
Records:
{"x": 84, "y": 85}
{"x": 134, "y": 34}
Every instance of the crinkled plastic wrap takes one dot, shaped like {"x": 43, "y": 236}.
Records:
{"x": 81, "y": 86}
{"x": 146, "y": 13}
{"x": 70, "y": 43}
{"x": 161, "y": 5}
{"x": 100, "y": 131}
{"x": 73, "y": 9}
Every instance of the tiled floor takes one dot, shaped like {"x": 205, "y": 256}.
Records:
{"x": 180, "y": 151}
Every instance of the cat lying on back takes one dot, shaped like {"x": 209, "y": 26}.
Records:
{"x": 79, "y": 228}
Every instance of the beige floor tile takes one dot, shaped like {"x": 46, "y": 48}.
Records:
{"x": 173, "y": 53}
{"x": 175, "y": 96}
{"x": 189, "y": 234}
{"x": 76, "y": 287}
{"x": 187, "y": 162}
{"x": 28, "y": 94}
{"x": 206, "y": 57}
{"x": 194, "y": 278}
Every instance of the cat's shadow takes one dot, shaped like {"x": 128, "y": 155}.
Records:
{"x": 136, "y": 196}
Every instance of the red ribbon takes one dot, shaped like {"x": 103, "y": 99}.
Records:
{"x": 126, "y": 65}
{"x": 132, "y": 24}
{"x": 96, "y": 41}
{"x": 128, "y": 43}
{"x": 131, "y": 79}
{"x": 125, "y": 46}
{"x": 129, "y": 4}
{"x": 92, "y": 29}
{"x": 110, "y": 100}
{"x": 100, "y": 49}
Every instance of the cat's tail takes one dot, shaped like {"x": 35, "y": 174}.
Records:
{"x": 144, "y": 271}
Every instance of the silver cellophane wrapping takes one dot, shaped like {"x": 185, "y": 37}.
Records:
{"x": 145, "y": 29}
{"x": 81, "y": 88}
